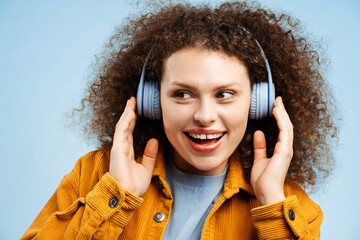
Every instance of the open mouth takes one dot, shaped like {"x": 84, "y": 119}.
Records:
{"x": 205, "y": 139}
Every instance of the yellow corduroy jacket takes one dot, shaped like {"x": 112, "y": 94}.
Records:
{"x": 90, "y": 204}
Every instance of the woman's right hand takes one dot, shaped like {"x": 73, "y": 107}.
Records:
{"x": 133, "y": 176}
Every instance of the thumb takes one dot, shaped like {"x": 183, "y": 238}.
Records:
{"x": 259, "y": 146}
{"x": 150, "y": 154}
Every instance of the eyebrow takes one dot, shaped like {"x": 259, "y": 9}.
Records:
{"x": 184, "y": 85}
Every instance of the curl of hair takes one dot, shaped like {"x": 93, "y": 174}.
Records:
{"x": 295, "y": 64}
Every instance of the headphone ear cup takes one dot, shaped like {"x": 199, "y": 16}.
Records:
{"x": 271, "y": 98}
{"x": 148, "y": 98}
{"x": 156, "y": 101}
{"x": 253, "y": 102}
{"x": 140, "y": 93}
{"x": 263, "y": 105}
{"x": 151, "y": 100}
{"x": 261, "y": 102}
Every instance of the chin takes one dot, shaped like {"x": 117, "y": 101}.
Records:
{"x": 203, "y": 165}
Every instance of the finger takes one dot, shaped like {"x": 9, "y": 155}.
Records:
{"x": 133, "y": 101}
{"x": 259, "y": 145}
{"x": 133, "y": 123}
{"x": 282, "y": 121}
{"x": 285, "y": 136}
{"x": 287, "y": 119}
{"x": 280, "y": 109}
{"x": 279, "y": 103}
{"x": 129, "y": 112}
{"x": 150, "y": 154}
{"x": 260, "y": 160}
{"x": 129, "y": 133}
{"x": 122, "y": 131}
{"x": 123, "y": 127}
{"x": 126, "y": 111}
{"x": 283, "y": 142}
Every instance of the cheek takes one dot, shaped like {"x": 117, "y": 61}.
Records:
{"x": 174, "y": 116}
{"x": 236, "y": 119}
{"x": 237, "y": 122}
{"x": 174, "y": 119}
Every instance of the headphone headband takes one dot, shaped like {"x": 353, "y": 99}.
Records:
{"x": 262, "y": 96}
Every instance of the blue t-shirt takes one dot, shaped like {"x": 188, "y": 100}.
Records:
{"x": 194, "y": 197}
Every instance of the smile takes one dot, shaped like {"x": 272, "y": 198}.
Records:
{"x": 205, "y": 142}
{"x": 205, "y": 136}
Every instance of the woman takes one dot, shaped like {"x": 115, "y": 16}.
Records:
{"x": 214, "y": 167}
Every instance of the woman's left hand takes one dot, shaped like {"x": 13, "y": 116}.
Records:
{"x": 268, "y": 174}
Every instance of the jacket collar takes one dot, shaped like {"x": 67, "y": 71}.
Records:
{"x": 234, "y": 179}
{"x": 159, "y": 169}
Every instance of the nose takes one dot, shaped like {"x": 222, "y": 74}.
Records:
{"x": 205, "y": 114}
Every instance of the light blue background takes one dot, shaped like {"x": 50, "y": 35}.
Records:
{"x": 46, "y": 48}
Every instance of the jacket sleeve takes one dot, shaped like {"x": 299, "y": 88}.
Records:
{"x": 72, "y": 213}
{"x": 288, "y": 219}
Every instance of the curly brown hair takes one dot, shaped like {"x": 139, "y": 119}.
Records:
{"x": 295, "y": 64}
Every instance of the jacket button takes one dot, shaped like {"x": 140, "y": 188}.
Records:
{"x": 114, "y": 202}
{"x": 159, "y": 217}
{"x": 291, "y": 215}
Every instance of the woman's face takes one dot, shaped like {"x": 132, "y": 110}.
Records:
{"x": 205, "y": 99}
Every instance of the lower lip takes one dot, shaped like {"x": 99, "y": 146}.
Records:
{"x": 205, "y": 148}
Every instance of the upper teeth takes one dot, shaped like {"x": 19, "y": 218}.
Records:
{"x": 206, "y": 136}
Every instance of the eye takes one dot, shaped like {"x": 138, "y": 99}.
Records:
{"x": 182, "y": 94}
{"x": 225, "y": 94}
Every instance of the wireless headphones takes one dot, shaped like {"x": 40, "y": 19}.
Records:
{"x": 262, "y": 96}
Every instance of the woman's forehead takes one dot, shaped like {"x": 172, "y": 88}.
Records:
{"x": 193, "y": 66}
